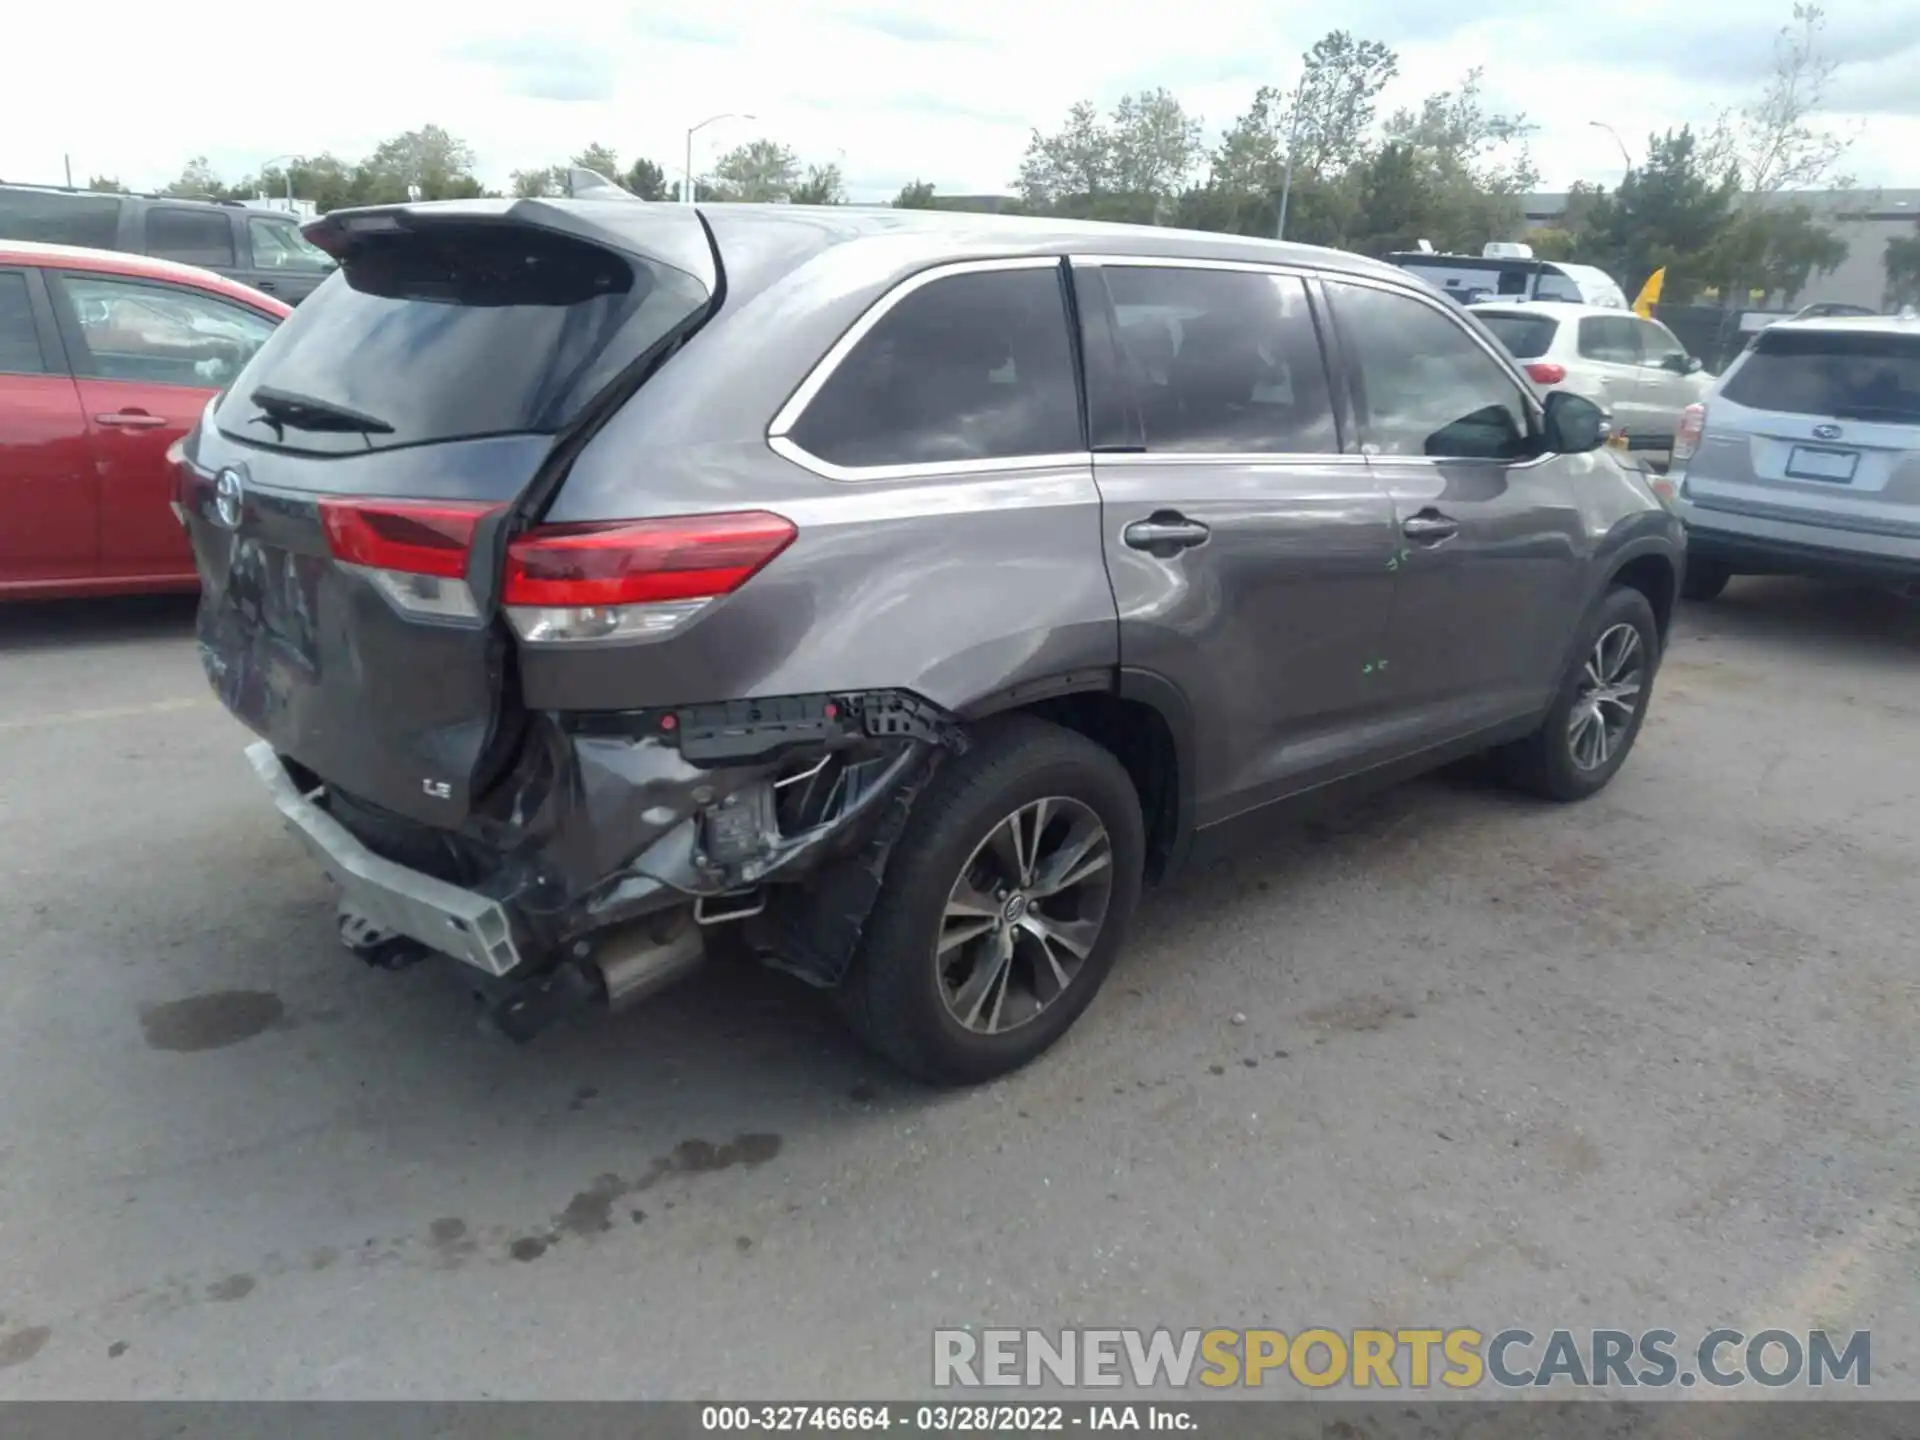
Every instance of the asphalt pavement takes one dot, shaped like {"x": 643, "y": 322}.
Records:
{"x": 1451, "y": 1058}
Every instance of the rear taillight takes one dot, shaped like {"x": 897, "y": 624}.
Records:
{"x": 632, "y": 578}
{"x": 414, "y": 552}
{"x": 1545, "y": 372}
{"x": 1686, "y": 440}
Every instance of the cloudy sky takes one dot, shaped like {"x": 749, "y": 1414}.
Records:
{"x": 893, "y": 90}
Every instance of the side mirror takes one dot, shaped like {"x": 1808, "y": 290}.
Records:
{"x": 1575, "y": 424}
{"x": 1694, "y": 365}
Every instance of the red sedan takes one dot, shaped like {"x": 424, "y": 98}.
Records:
{"x": 105, "y": 360}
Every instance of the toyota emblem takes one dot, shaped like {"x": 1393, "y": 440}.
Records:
{"x": 1826, "y": 432}
{"x": 227, "y": 494}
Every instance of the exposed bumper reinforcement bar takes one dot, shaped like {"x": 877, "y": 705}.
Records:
{"x": 442, "y": 917}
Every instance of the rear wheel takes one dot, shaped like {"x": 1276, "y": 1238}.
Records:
{"x": 1004, "y": 906}
{"x": 1597, "y": 715}
{"x": 1705, "y": 579}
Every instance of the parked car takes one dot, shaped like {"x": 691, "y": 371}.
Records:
{"x": 595, "y": 573}
{"x": 105, "y": 361}
{"x": 263, "y": 249}
{"x": 1806, "y": 457}
{"x": 1634, "y": 369}
{"x": 1509, "y": 271}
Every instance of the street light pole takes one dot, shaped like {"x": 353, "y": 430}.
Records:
{"x": 686, "y": 193}
{"x": 1603, "y": 125}
{"x": 1286, "y": 183}
{"x": 286, "y": 175}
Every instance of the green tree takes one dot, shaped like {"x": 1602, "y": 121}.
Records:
{"x": 759, "y": 170}
{"x": 1777, "y": 140}
{"x": 917, "y": 196}
{"x": 648, "y": 181}
{"x": 106, "y": 185}
{"x": 198, "y": 180}
{"x": 1130, "y": 165}
{"x": 1552, "y": 243}
{"x": 430, "y": 159}
{"x": 1772, "y": 249}
{"x": 1902, "y": 263}
{"x": 533, "y": 184}
{"x": 1336, "y": 99}
{"x": 822, "y": 186}
{"x": 1668, "y": 212}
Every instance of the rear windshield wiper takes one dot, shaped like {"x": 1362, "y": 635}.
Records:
{"x": 284, "y": 408}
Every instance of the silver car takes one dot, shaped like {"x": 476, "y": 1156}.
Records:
{"x": 903, "y": 588}
{"x": 1805, "y": 459}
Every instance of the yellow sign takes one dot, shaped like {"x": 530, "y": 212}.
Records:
{"x": 1650, "y": 294}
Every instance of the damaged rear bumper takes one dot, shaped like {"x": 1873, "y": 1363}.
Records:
{"x": 780, "y": 808}
{"x": 395, "y": 899}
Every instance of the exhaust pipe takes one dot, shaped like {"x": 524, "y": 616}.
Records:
{"x": 648, "y": 955}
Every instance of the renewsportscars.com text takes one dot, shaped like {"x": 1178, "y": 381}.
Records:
{"x": 1416, "y": 1359}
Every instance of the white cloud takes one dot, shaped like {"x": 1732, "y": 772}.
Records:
{"x": 893, "y": 89}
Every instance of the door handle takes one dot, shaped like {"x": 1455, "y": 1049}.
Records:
{"x": 131, "y": 420}
{"x": 1165, "y": 534}
{"x": 267, "y": 285}
{"x": 1429, "y": 527}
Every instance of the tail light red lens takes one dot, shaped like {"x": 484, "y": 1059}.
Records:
{"x": 1545, "y": 372}
{"x": 1686, "y": 440}
{"x": 405, "y": 536}
{"x": 642, "y": 562}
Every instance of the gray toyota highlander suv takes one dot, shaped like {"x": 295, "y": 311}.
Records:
{"x": 903, "y": 588}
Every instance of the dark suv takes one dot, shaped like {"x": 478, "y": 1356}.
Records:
{"x": 260, "y": 248}
{"x": 904, "y": 587}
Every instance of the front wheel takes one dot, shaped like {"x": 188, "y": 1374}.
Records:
{"x": 1597, "y": 715}
{"x": 1004, "y": 905}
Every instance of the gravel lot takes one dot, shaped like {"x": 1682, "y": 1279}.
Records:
{"x": 1647, "y": 1061}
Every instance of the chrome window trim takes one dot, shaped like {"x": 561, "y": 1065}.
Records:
{"x": 1300, "y": 269}
{"x": 781, "y": 443}
{"x": 786, "y": 449}
{"x": 1132, "y": 459}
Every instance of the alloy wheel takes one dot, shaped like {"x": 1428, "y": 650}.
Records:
{"x": 1608, "y": 697}
{"x": 1024, "y": 914}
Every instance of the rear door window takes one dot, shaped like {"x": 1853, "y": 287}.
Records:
{"x": 1848, "y": 374}
{"x": 19, "y": 336}
{"x": 193, "y": 237}
{"x": 1526, "y": 337}
{"x": 1658, "y": 348}
{"x": 1426, "y": 386}
{"x": 159, "y": 334}
{"x": 970, "y": 366}
{"x": 1222, "y": 361}
{"x": 1610, "y": 339}
{"x": 452, "y": 331}
{"x": 56, "y": 219}
{"x": 279, "y": 245}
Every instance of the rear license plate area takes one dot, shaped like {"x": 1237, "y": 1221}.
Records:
{"x": 1832, "y": 467}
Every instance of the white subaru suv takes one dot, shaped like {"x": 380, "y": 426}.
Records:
{"x": 1806, "y": 457}
{"x": 1632, "y": 368}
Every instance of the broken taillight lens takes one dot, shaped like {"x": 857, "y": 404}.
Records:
{"x": 413, "y": 551}
{"x": 633, "y": 578}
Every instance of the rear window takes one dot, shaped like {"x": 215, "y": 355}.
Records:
{"x": 454, "y": 331}
{"x": 1527, "y": 337}
{"x": 55, "y": 219}
{"x": 1857, "y": 375}
{"x": 193, "y": 237}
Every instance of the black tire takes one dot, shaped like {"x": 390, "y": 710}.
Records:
{"x": 1544, "y": 764}
{"x": 1705, "y": 579}
{"x": 893, "y": 994}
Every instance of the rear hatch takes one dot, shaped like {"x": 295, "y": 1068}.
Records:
{"x": 1817, "y": 425}
{"x": 351, "y": 496}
